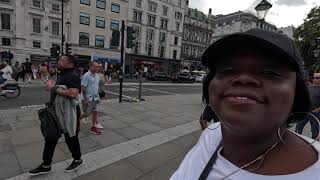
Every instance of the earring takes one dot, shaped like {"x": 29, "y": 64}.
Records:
{"x": 279, "y": 135}
{"x": 318, "y": 121}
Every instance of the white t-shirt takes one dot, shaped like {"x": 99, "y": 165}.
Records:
{"x": 7, "y": 71}
{"x": 198, "y": 157}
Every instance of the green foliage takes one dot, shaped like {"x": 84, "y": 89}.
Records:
{"x": 305, "y": 38}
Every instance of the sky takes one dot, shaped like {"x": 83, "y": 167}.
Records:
{"x": 283, "y": 12}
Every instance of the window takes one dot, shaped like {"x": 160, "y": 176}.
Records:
{"x": 36, "y": 25}
{"x": 5, "y": 21}
{"x": 5, "y": 1}
{"x": 177, "y": 26}
{"x": 136, "y": 48}
{"x": 101, "y": 4}
{"x": 164, "y": 23}
{"x": 138, "y": 3}
{"x": 55, "y": 28}
{"x": 152, "y": 6}
{"x": 86, "y": 2}
{"x": 176, "y": 39}
{"x": 178, "y": 16}
{"x": 137, "y": 30}
{"x": 36, "y": 3}
{"x": 149, "y": 49}
{"x": 174, "y": 54}
{"x": 84, "y": 18}
{"x": 83, "y": 39}
{"x": 36, "y": 44}
{"x": 100, "y": 22}
{"x": 150, "y": 34}
{"x": 115, "y": 8}
{"x": 164, "y": 10}
{"x": 6, "y": 42}
{"x": 151, "y": 20}
{"x": 55, "y": 7}
{"x": 55, "y": 45}
{"x": 137, "y": 16}
{"x": 114, "y": 25}
{"x": 162, "y": 37}
{"x": 161, "y": 51}
{"x": 99, "y": 41}
{"x": 179, "y": 3}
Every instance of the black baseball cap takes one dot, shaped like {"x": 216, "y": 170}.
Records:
{"x": 269, "y": 41}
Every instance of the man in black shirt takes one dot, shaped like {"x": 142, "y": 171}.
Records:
{"x": 71, "y": 79}
{"x": 28, "y": 69}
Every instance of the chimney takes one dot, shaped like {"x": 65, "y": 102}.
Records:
{"x": 210, "y": 12}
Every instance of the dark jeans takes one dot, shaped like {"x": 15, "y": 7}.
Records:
{"x": 313, "y": 122}
{"x": 72, "y": 142}
{"x": 73, "y": 145}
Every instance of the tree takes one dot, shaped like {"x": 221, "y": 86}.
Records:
{"x": 306, "y": 36}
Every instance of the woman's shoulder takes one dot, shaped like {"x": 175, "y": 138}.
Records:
{"x": 197, "y": 158}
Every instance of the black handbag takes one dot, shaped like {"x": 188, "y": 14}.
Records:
{"x": 49, "y": 122}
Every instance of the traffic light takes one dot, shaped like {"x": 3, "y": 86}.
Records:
{"x": 54, "y": 51}
{"x": 115, "y": 38}
{"x": 68, "y": 48}
{"x": 131, "y": 36}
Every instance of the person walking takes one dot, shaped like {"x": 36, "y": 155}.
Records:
{"x": 16, "y": 71}
{"x": 66, "y": 89}
{"x": 90, "y": 87}
{"x": 314, "y": 91}
{"x": 28, "y": 70}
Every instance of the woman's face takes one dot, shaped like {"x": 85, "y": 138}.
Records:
{"x": 252, "y": 94}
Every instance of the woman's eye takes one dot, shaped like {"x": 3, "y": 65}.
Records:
{"x": 226, "y": 70}
{"x": 271, "y": 73}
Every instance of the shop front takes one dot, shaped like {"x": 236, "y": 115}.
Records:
{"x": 150, "y": 65}
{"x": 38, "y": 59}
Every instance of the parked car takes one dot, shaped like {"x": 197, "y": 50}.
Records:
{"x": 158, "y": 77}
{"x": 200, "y": 77}
{"x": 183, "y": 77}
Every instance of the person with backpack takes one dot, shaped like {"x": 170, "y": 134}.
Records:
{"x": 68, "y": 85}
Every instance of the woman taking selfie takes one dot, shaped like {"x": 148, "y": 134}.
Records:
{"x": 257, "y": 90}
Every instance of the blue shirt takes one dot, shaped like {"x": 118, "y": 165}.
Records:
{"x": 91, "y": 83}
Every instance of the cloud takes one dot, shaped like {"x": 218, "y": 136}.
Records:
{"x": 274, "y": 13}
{"x": 291, "y": 2}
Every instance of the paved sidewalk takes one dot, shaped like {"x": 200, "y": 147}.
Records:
{"x": 130, "y": 129}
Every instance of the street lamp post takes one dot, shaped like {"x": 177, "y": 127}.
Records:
{"x": 68, "y": 24}
{"x": 262, "y": 10}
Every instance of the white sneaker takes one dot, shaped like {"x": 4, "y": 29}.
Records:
{"x": 99, "y": 126}
{"x": 84, "y": 121}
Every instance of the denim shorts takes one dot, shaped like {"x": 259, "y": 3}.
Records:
{"x": 91, "y": 107}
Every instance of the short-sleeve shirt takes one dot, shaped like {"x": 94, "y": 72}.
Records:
{"x": 314, "y": 92}
{"x": 198, "y": 157}
{"x": 91, "y": 82}
{"x": 70, "y": 78}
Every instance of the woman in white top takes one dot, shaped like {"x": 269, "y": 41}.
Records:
{"x": 257, "y": 90}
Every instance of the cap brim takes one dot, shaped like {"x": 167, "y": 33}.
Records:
{"x": 224, "y": 46}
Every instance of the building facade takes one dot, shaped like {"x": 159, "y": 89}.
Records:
{"x": 288, "y": 31}
{"x": 159, "y": 27}
{"x": 237, "y": 22}
{"x": 30, "y": 28}
{"x": 91, "y": 25}
{"x": 197, "y": 35}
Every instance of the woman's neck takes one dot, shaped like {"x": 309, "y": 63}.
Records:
{"x": 242, "y": 150}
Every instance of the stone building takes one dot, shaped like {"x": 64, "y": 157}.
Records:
{"x": 197, "y": 35}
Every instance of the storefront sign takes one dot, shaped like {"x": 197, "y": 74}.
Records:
{"x": 38, "y": 58}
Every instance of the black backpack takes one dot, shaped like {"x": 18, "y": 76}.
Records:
{"x": 49, "y": 122}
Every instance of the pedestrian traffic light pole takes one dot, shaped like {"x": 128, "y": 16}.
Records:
{"x": 122, "y": 61}
{"x": 62, "y": 34}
